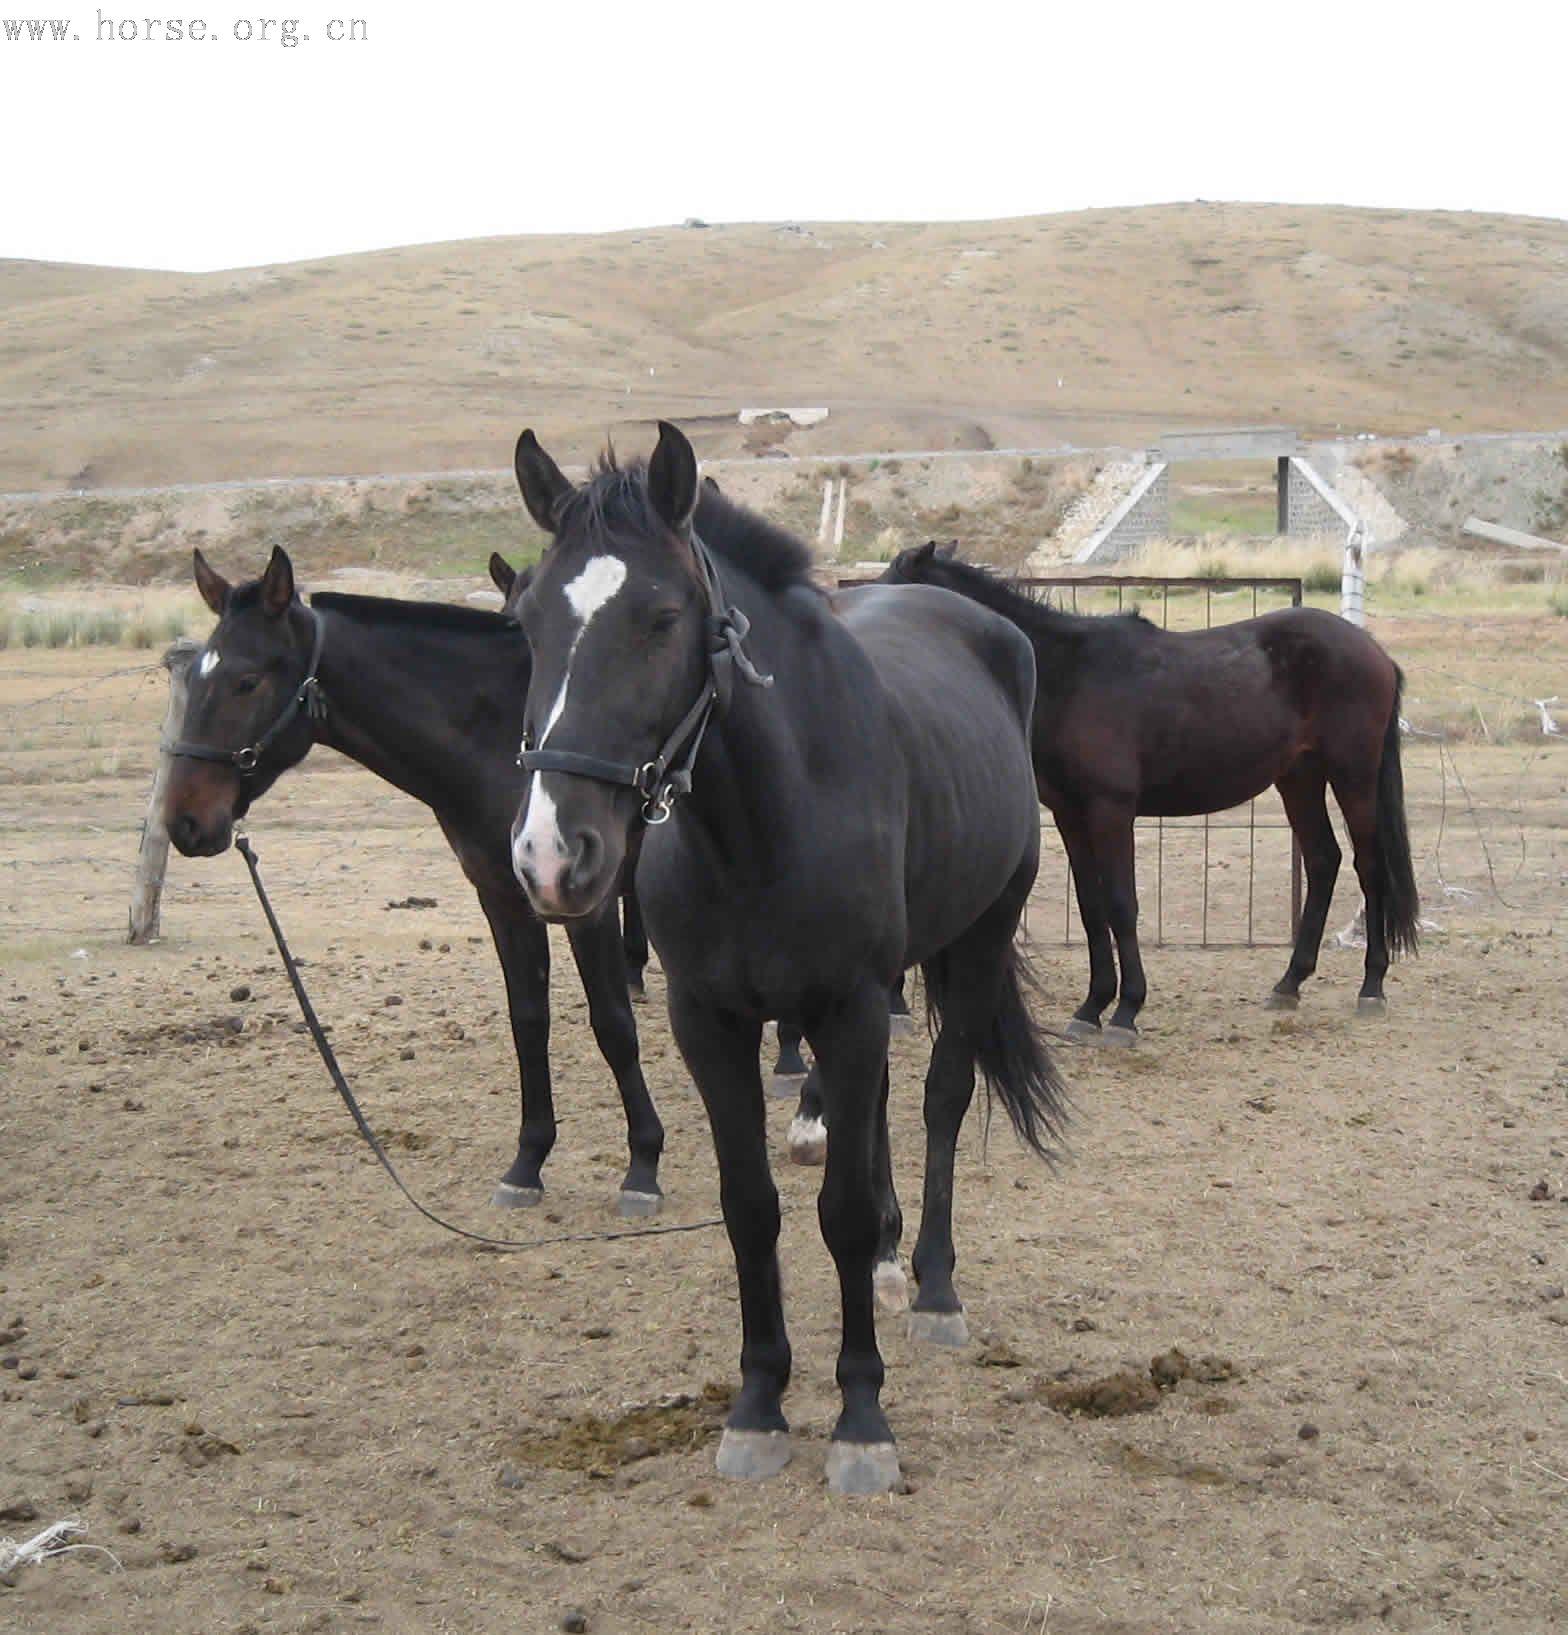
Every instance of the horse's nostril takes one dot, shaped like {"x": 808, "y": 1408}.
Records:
{"x": 587, "y": 856}
{"x": 182, "y": 831}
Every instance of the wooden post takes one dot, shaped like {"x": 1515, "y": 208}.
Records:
{"x": 843, "y": 505}
{"x": 827, "y": 512}
{"x": 147, "y": 892}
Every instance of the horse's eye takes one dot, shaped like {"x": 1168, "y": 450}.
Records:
{"x": 664, "y": 620}
{"x": 247, "y": 684}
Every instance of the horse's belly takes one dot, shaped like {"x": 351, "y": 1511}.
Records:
{"x": 1206, "y": 789}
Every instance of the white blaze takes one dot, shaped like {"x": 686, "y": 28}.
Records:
{"x": 209, "y": 663}
{"x": 593, "y": 587}
{"x": 539, "y": 843}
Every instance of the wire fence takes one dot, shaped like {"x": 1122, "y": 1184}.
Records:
{"x": 1217, "y": 880}
{"x": 79, "y": 736}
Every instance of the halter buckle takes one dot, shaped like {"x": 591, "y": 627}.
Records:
{"x": 245, "y": 759}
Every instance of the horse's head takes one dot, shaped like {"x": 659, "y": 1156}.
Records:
{"x": 615, "y": 616}
{"x": 242, "y": 684}
{"x": 919, "y": 564}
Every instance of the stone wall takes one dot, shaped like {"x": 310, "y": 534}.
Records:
{"x": 1144, "y": 515}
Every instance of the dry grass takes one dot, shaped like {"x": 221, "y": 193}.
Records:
{"x": 429, "y": 357}
{"x": 113, "y": 617}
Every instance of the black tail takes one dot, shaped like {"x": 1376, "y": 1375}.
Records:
{"x": 1011, "y": 1053}
{"x": 1401, "y": 905}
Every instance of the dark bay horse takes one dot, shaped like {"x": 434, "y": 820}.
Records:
{"x": 426, "y": 696}
{"x": 1131, "y": 720}
{"x": 833, "y": 790}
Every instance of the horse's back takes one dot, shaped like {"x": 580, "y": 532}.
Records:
{"x": 927, "y": 641}
{"x": 960, "y": 683}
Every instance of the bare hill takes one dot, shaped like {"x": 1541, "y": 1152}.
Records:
{"x": 1092, "y": 327}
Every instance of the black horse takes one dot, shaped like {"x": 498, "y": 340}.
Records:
{"x": 1131, "y": 720}
{"x": 834, "y": 789}
{"x": 426, "y": 696}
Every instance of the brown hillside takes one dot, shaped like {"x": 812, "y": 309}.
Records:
{"x": 432, "y": 357}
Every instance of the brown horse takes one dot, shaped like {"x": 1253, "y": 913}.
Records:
{"x": 1131, "y": 720}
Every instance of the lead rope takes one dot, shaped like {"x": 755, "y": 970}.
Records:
{"x": 307, "y": 1010}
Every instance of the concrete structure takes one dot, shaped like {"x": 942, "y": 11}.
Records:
{"x": 1308, "y": 506}
{"x": 1144, "y": 514}
{"x": 1239, "y": 443}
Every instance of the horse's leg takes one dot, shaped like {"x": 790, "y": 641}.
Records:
{"x": 900, "y": 1018}
{"x": 596, "y": 946}
{"x": 888, "y": 1283}
{"x": 966, "y": 989}
{"x": 1110, "y": 833}
{"x": 721, "y": 1052}
{"x": 808, "y": 1129}
{"x": 634, "y": 942}
{"x": 1302, "y": 790}
{"x": 790, "y": 1070}
{"x": 1359, "y": 806}
{"x": 523, "y": 945}
{"x": 1085, "y": 1021}
{"x": 849, "y": 1041}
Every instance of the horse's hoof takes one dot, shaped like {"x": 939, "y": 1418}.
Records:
{"x": 808, "y": 1141}
{"x": 890, "y": 1288}
{"x": 1282, "y": 1002}
{"x": 638, "y": 993}
{"x": 1372, "y": 1005}
{"x": 863, "y": 1467}
{"x": 752, "y": 1456}
{"x": 939, "y": 1327}
{"x": 901, "y": 1024}
{"x": 637, "y": 1206}
{"x": 509, "y": 1197}
{"x": 786, "y": 1086}
{"x": 1114, "y": 1038}
{"x": 1080, "y": 1029}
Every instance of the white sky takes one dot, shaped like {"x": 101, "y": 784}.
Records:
{"x": 455, "y": 121}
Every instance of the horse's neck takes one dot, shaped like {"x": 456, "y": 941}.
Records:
{"x": 384, "y": 709}
{"x": 752, "y": 753}
{"x": 1058, "y": 651}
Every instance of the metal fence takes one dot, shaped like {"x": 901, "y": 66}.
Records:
{"x": 1178, "y": 602}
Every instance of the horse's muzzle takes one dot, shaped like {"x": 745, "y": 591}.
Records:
{"x": 566, "y": 877}
{"x": 194, "y": 839}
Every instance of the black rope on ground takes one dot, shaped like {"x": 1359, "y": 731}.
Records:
{"x": 307, "y": 1010}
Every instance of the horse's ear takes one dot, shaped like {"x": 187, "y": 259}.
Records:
{"x": 672, "y": 479}
{"x": 277, "y": 584}
{"x": 710, "y": 488}
{"x": 543, "y": 484}
{"x": 917, "y": 556}
{"x": 213, "y": 586}
{"x": 948, "y": 551}
{"x": 502, "y": 574}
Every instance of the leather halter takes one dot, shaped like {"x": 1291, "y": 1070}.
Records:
{"x": 664, "y": 779}
{"x": 308, "y": 695}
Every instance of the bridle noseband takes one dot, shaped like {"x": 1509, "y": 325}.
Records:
{"x": 664, "y": 779}
{"x": 308, "y": 696}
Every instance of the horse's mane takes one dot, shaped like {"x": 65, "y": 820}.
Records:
{"x": 987, "y": 586}
{"x": 391, "y": 610}
{"x": 615, "y": 502}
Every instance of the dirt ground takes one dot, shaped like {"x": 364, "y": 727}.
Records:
{"x": 285, "y": 1402}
